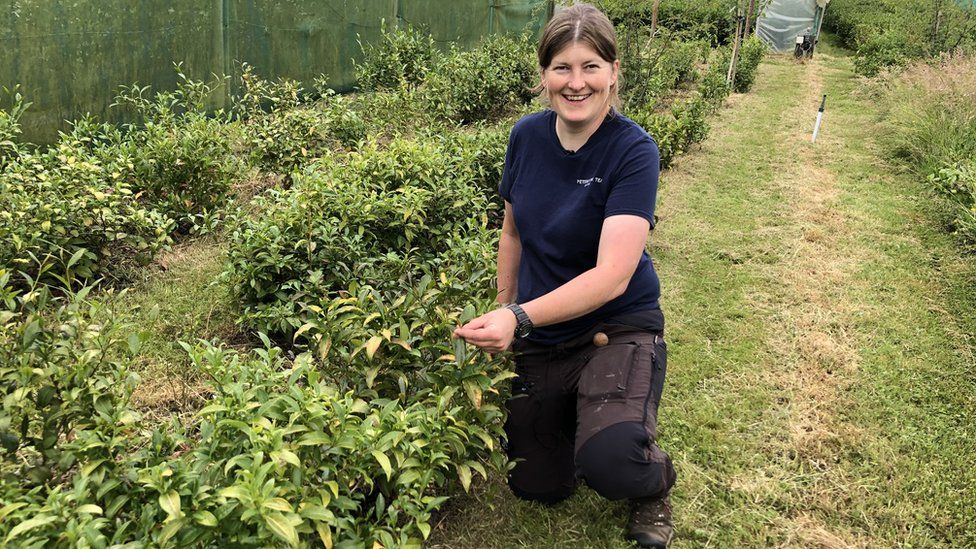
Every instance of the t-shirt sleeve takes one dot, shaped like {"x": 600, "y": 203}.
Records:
{"x": 505, "y": 187}
{"x": 634, "y": 190}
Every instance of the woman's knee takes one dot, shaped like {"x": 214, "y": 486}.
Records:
{"x": 620, "y": 462}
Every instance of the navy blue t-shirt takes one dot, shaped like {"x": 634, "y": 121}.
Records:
{"x": 560, "y": 200}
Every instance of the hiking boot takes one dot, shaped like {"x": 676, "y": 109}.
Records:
{"x": 650, "y": 522}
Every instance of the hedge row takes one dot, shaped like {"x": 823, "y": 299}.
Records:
{"x": 281, "y": 455}
{"x": 887, "y": 33}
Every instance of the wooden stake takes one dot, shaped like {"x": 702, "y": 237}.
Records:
{"x": 654, "y": 8}
{"x": 749, "y": 14}
{"x": 730, "y": 77}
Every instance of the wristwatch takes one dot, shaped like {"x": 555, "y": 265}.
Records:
{"x": 524, "y": 326}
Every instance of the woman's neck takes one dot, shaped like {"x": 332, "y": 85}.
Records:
{"x": 572, "y": 137}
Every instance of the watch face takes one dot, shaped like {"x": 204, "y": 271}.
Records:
{"x": 522, "y": 330}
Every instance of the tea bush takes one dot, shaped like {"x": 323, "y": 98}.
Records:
{"x": 181, "y": 158}
{"x": 483, "y": 83}
{"x": 278, "y": 456}
{"x": 677, "y": 129}
{"x": 750, "y": 56}
{"x": 68, "y": 205}
{"x": 710, "y": 20}
{"x": 370, "y": 216}
{"x": 886, "y": 33}
{"x": 286, "y": 126}
{"x": 65, "y": 398}
{"x": 652, "y": 69}
{"x": 10, "y": 129}
{"x": 402, "y": 58}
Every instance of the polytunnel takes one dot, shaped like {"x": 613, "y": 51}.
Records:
{"x": 781, "y": 21}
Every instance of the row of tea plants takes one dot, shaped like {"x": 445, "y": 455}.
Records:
{"x": 893, "y": 33}
{"x": 357, "y": 414}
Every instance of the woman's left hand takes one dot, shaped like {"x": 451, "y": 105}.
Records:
{"x": 492, "y": 332}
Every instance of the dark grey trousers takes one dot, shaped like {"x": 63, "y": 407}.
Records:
{"x": 587, "y": 408}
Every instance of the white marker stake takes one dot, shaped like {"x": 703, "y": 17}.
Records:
{"x": 816, "y": 129}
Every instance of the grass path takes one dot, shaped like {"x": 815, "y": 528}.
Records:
{"x": 821, "y": 389}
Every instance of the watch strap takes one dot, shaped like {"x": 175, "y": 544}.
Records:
{"x": 524, "y": 324}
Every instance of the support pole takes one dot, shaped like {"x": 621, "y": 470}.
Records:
{"x": 749, "y": 17}
{"x": 730, "y": 77}
{"x": 654, "y": 12}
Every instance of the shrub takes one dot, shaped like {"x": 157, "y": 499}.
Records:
{"x": 287, "y": 139}
{"x": 181, "y": 158}
{"x": 10, "y": 129}
{"x": 65, "y": 396}
{"x": 402, "y": 58}
{"x": 892, "y": 33}
{"x": 483, "y": 83}
{"x": 372, "y": 216}
{"x": 709, "y": 20}
{"x": 676, "y": 130}
{"x": 957, "y": 185}
{"x": 286, "y": 126}
{"x": 278, "y": 456}
{"x": 66, "y": 205}
{"x": 652, "y": 69}
{"x": 750, "y": 56}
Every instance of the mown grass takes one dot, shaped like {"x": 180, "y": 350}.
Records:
{"x": 180, "y": 299}
{"x": 820, "y": 383}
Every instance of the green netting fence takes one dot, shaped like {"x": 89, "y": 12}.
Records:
{"x": 71, "y": 56}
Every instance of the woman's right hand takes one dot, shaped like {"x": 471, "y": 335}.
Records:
{"x": 492, "y": 332}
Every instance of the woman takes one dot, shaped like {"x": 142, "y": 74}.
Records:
{"x": 582, "y": 311}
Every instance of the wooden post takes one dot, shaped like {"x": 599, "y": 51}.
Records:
{"x": 730, "y": 77}
{"x": 749, "y": 14}
{"x": 654, "y": 10}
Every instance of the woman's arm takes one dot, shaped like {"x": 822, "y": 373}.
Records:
{"x": 622, "y": 241}
{"x": 509, "y": 255}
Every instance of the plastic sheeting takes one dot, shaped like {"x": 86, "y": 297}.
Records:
{"x": 71, "y": 56}
{"x": 783, "y": 20}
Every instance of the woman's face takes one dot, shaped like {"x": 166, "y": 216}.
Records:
{"x": 578, "y": 82}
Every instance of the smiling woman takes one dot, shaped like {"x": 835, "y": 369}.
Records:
{"x": 579, "y": 292}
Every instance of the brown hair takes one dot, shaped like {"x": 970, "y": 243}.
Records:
{"x": 581, "y": 23}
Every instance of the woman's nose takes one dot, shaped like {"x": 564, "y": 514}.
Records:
{"x": 576, "y": 81}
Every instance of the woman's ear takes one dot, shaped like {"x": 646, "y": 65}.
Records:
{"x": 616, "y": 71}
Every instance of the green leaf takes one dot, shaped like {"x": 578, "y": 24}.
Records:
{"x": 30, "y": 334}
{"x": 135, "y": 343}
{"x": 474, "y": 393}
{"x": 234, "y": 492}
{"x": 287, "y": 456}
{"x": 170, "y": 530}
{"x": 90, "y": 508}
{"x": 277, "y": 504}
{"x": 314, "y": 439}
{"x": 28, "y": 525}
{"x": 75, "y": 257}
{"x": 206, "y": 518}
{"x": 325, "y": 534}
{"x": 280, "y": 526}
{"x": 170, "y": 502}
{"x": 464, "y": 473}
{"x": 372, "y": 345}
{"x": 384, "y": 463}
